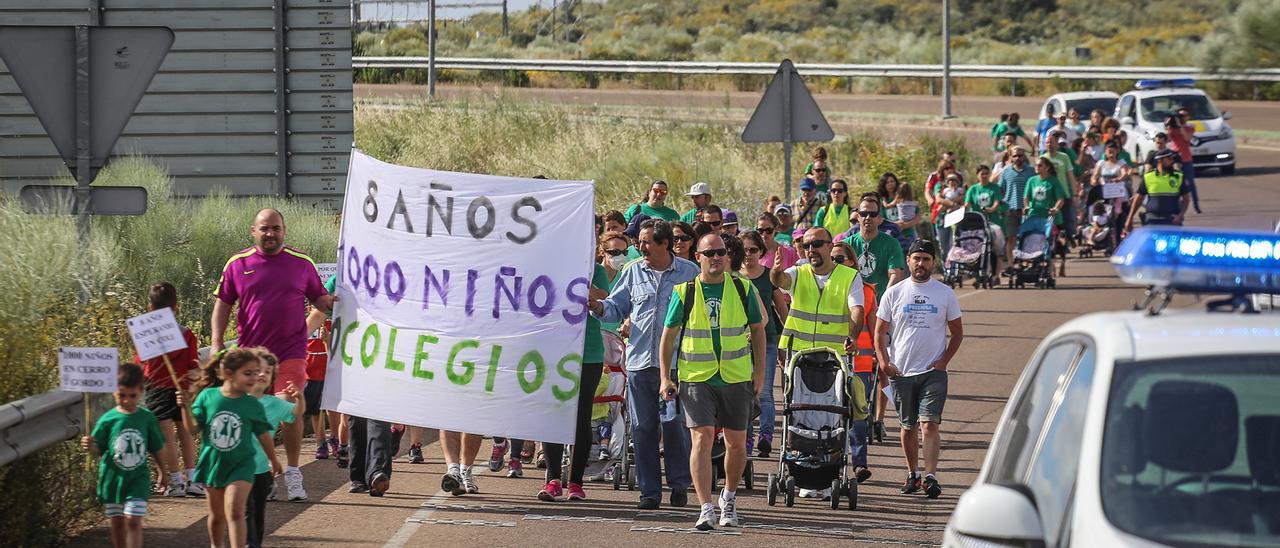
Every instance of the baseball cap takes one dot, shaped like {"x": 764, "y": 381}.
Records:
{"x": 1166, "y": 153}
{"x": 699, "y": 189}
{"x": 633, "y": 228}
{"x": 781, "y": 208}
{"x": 730, "y": 218}
{"x": 923, "y": 246}
{"x": 807, "y": 184}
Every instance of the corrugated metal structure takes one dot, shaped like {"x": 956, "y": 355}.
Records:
{"x": 254, "y": 97}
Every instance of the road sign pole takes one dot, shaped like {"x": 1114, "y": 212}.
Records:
{"x": 84, "y": 143}
{"x": 786, "y": 134}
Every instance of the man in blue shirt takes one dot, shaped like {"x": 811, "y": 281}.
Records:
{"x": 642, "y": 292}
{"x": 1043, "y": 127}
{"x": 1013, "y": 180}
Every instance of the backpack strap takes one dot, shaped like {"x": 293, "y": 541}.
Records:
{"x": 742, "y": 298}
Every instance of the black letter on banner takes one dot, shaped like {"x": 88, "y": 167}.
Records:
{"x": 400, "y": 209}
{"x": 433, "y": 207}
{"x": 500, "y": 287}
{"x": 479, "y": 232}
{"x": 548, "y": 287}
{"x": 371, "y": 280}
{"x": 581, "y": 316}
{"x": 527, "y": 201}
{"x": 472, "y": 276}
{"x": 441, "y": 287}
{"x": 369, "y": 202}
{"x": 394, "y": 292}
{"x": 353, "y": 268}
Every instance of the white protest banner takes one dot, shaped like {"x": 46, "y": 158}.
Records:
{"x": 1114, "y": 190}
{"x": 953, "y": 217}
{"x": 155, "y": 333}
{"x": 326, "y": 270}
{"x": 461, "y": 300}
{"x": 88, "y": 369}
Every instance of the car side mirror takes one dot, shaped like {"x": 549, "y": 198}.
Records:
{"x": 995, "y": 512}
{"x": 1127, "y": 121}
{"x": 1226, "y": 115}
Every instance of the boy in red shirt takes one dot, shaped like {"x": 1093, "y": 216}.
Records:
{"x": 161, "y": 397}
{"x": 317, "y": 362}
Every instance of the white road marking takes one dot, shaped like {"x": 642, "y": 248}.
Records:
{"x": 411, "y": 525}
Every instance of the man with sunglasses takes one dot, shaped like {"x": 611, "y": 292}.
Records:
{"x": 640, "y": 293}
{"x": 879, "y": 255}
{"x": 655, "y": 206}
{"x": 713, "y": 215}
{"x": 721, "y": 371}
{"x": 1013, "y": 182}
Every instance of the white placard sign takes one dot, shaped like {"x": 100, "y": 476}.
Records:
{"x": 953, "y": 217}
{"x": 326, "y": 270}
{"x": 1114, "y": 190}
{"x": 156, "y": 333}
{"x": 88, "y": 369}
{"x": 461, "y": 300}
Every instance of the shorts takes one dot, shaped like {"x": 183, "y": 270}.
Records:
{"x": 920, "y": 398}
{"x": 728, "y": 407}
{"x": 312, "y": 394}
{"x": 1013, "y": 224}
{"x": 163, "y": 403}
{"x": 291, "y": 370}
{"x": 136, "y": 508}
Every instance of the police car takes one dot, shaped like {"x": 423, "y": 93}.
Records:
{"x": 1143, "y": 111}
{"x": 1146, "y": 428}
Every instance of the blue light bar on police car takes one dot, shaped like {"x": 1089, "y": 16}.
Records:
{"x": 1174, "y": 83}
{"x": 1200, "y": 260}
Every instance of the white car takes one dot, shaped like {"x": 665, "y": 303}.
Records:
{"x": 1085, "y": 102}
{"x": 1145, "y": 428}
{"x": 1143, "y": 111}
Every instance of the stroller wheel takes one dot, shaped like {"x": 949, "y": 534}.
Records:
{"x": 851, "y": 492}
{"x": 835, "y": 493}
{"x": 617, "y": 478}
{"x": 771, "y": 490}
{"x": 791, "y": 492}
{"x": 748, "y": 475}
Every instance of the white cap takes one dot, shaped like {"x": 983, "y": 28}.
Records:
{"x": 699, "y": 189}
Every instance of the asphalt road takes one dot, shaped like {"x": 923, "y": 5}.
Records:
{"x": 1002, "y": 329}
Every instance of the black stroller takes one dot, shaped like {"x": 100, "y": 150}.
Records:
{"x": 971, "y": 253}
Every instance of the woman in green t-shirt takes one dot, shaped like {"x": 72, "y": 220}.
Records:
{"x": 1043, "y": 194}
{"x": 229, "y": 418}
{"x": 986, "y": 197}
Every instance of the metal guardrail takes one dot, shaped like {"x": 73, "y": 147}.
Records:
{"x": 34, "y": 423}
{"x": 1030, "y": 72}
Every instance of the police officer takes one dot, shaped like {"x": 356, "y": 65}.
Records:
{"x": 1163, "y": 192}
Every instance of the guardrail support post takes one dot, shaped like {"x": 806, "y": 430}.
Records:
{"x": 946, "y": 59}
{"x": 1013, "y": 90}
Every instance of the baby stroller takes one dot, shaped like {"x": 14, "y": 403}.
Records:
{"x": 970, "y": 253}
{"x": 1100, "y": 232}
{"x": 621, "y": 457}
{"x": 819, "y": 403}
{"x": 1033, "y": 256}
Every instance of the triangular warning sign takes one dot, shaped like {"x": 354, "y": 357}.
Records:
{"x": 121, "y": 63}
{"x": 772, "y": 114}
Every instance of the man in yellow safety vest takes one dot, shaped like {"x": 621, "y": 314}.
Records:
{"x": 721, "y": 370}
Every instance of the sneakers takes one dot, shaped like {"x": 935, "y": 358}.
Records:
{"x": 343, "y": 460}
{"x": 551, "y": 492}
{"x": 706, "y": 518}
{"x": 271, "y": 495}
{"x": 764, "y": 448}
{"x": 911, "y": 486}
{"x": 358, "y": 487}
{"x": 469, "y": 483}
{"x": 861, "y": 473}
{"x": 542, "y": 461}
{"x": 647, "y": 503}
{"x": 515, "y": 469}
{"x": 175, "y": 490}
{"x": 379, "y": 485}
{"x": 679, "y": 498}
{"x": 452, "y": 484}
{"x": 931, "y": 487}
{"x": 415, "y": 454}
{"x": 878, "y": 431}
{"x": 195, "y": 490}
{"x": 333, "y": 445}
{"x": 728, "y": 511}
{"x": 322, "y": 451}
{"x": 293, "y": 483}
{"x": 496, "y": 457}
{"x": 576, "y": 492}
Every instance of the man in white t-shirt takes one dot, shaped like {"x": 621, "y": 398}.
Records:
{"x": 918, "y": 316}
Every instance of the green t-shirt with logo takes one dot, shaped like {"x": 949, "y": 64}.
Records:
{"x": 277, "y": 411}
{"x": 1062, "y": 165}
{"x": 981, "y": 197}
{"x": 665, "y": 213}
{"x": 123, "y": 440}
{"x": 713, "y": 294}
{"x": 229, "y": 429}
{"x": 1041, "y": 195}
{"x": 876, "y": 260}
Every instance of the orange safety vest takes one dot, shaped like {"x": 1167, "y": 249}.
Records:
{"x": 865, "y": 358}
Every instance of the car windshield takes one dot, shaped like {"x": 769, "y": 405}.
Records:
{"x": 1158, "y": 109}
{"x": 1085, "y": 106}
{"x": 1191, "y": 451}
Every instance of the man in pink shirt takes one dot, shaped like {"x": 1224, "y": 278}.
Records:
{"x": 1180, "y": 131}
{"x": 273, "y": 284}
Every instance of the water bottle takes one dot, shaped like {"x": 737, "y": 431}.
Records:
{"x": 666, "y": 409}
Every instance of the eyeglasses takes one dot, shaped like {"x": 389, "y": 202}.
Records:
{"x": 868, "y": 214}
{"x": 682, "y": 238}
{"x": 714, "y": 223}
{"x": 815, "y": 244}
{"x": 615, "y": 252}
{"x": 751, "y": 249}
{"x": 659, "y": 191}
{"x": 819, "y": 170}
{"x": 838, "y": 191}
{"x": 714, "y": 252}
{"x": 839, "y": 258}
{"x": 764, "y": 230}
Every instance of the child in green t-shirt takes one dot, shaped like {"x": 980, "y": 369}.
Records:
{"x": 229, "y": 419}
{"x": 123, "y": 437}
{"x": 278, "y": 410}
